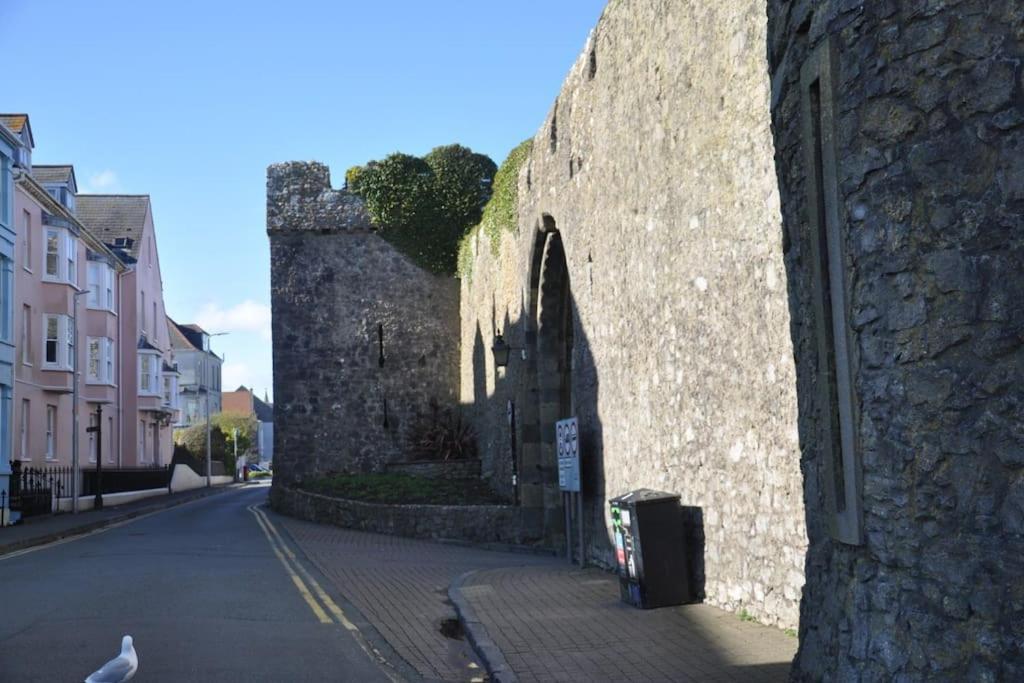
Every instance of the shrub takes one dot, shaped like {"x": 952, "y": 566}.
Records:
{"x": 442, "y": 435}
{"x": 424, "y": 206}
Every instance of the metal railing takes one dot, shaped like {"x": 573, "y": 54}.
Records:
{"x": 33, "y": 489}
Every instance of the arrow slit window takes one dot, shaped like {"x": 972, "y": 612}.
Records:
{"x": 840, "y": 457}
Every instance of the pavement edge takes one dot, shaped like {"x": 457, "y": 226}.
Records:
{"x": 488, "y": 651}
{"x": 89, "y": 527}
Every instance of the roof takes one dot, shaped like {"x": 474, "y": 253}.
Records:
{"x": 144, "y": 345}
{"x": 109, "y": 216}
{"x": 16, "y": 122}
{"x": 264, "y": 411}
{"x": 194, "y": 328}
{"x": 20, "y": 126}
{"x": 58, "y": 173}
{"x": 179, "y": 340}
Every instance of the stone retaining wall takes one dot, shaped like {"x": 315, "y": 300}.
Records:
{"x": 446, "y": 469}
{"x": 473, "y": 523}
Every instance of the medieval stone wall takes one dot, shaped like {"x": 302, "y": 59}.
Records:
{"x": 656, "y": 169}
{"x": 364, "y": 340}
{"x": 927, "y": 129}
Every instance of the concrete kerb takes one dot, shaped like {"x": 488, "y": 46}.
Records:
{"x": 490, "y": 654}
{"x": 87, "y": 527}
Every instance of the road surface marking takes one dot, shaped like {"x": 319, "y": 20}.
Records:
{"x": 320, "y": 592}
{"x": 318, "y": 611}
{"x": 338, "y": 613}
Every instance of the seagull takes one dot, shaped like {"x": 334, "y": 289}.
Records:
{"x": 120, "y": 668}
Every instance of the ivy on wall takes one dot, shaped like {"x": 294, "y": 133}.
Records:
{"x": 502, "y": 210}
{"x": 424, "y": 206}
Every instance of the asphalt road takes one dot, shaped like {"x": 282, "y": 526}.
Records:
{"x": 199, "y": 587}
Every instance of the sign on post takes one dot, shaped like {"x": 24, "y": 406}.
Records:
{"x": 567, "y": 438}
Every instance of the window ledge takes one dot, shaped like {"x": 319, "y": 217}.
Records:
{"x": 56, "y": 368}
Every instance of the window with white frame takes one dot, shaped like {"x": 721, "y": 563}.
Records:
{"x": 109, "y": 358}
{"x": 149, "y": 373}
{"x": 26, "y": 235}
{"x": 171, "y": 390}
{"x": 100, "y": 363}
{"x": 61, "y": 256}
{"x": 6, "y": 299}
{"x": 51, "y": 432}
{"x": 26, "y": 334}
{"x": 6, "y": 417}
{"x": 71, "y": 256}
{"x": 59, "y": 344}
{"x": 101, "y": 286}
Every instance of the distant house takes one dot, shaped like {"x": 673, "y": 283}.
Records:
{"x": 243, "y": 401}
{"x": 200, "y": 373}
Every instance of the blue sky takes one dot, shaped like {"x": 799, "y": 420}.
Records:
{"x": 190, "y": 101}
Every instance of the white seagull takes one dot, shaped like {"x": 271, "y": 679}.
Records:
{"x": 120, "y": 668}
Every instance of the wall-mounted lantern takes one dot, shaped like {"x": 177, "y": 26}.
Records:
{"x": 501, "y": 351}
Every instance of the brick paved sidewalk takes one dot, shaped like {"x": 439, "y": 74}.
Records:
{"x": 556, "y": 623}
{"x": 400, "y": 585}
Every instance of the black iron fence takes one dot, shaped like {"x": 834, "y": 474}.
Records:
{"x": 121, "y": 479}
{"x": 33, "y": 489}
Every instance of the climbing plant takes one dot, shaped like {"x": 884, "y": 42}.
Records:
{"x": 502, "y": 210}
{"x": 424, "y": 206}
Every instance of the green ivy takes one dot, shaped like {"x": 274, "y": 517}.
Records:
{"x": 424, "y": 206}
{"x": 502, "y": 210}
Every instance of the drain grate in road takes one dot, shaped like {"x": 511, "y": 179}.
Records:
{"x": 452, "y": 628}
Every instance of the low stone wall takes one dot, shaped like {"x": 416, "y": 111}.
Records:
{"x": 446, "y": 469}
{"x": 473, "y": 523}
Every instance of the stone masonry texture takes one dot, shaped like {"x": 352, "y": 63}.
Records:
{"x": 929, "y": 138}
{"x": 363, "y": 341}
{"x": 663, "y": 285}
{"x": 656, "y": 167}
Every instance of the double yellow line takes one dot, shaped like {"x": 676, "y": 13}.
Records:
{"x": 297, "y": 573}
{"x": 309, "y": 587}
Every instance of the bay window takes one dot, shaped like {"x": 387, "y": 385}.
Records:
{"x": 101, "y": 286}
{"x": 100, "y": 365}
{"x": 61, "y": 256}
{"x": 149, "y": 373}
{"x": 59, "y": 344}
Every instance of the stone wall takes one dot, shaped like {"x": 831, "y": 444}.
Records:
{"x": 472, "y": 523}
{"x": 655, "y": 169}
{"x": 927, "y": 190}
{"x": 364, "y": 340}
{"x": 439, "y": 469}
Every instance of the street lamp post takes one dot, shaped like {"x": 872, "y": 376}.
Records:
{"x": 75, "y": 467}
{"x": 208, "y": 480}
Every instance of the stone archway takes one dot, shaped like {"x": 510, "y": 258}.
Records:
{"x": 548, "y": 387}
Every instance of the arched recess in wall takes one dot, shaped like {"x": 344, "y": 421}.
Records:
{"x": 547, "y": 395}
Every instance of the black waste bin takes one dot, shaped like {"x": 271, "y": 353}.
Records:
{"x": 650, "y": 549}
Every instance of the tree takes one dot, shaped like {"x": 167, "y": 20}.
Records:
{"x": 247, "y": 426}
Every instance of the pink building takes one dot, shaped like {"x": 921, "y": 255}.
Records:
{"x": 148, "y": 387}
{"x": 55, "y": 258}
{"x": 95, "y": 256}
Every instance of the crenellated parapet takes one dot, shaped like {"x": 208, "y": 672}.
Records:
{"x": 299, "y": 197}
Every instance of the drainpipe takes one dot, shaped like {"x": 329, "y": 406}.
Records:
{"x": 120, "y": 366}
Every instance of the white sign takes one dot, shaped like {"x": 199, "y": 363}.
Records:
{"x": 567, "y": 438}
